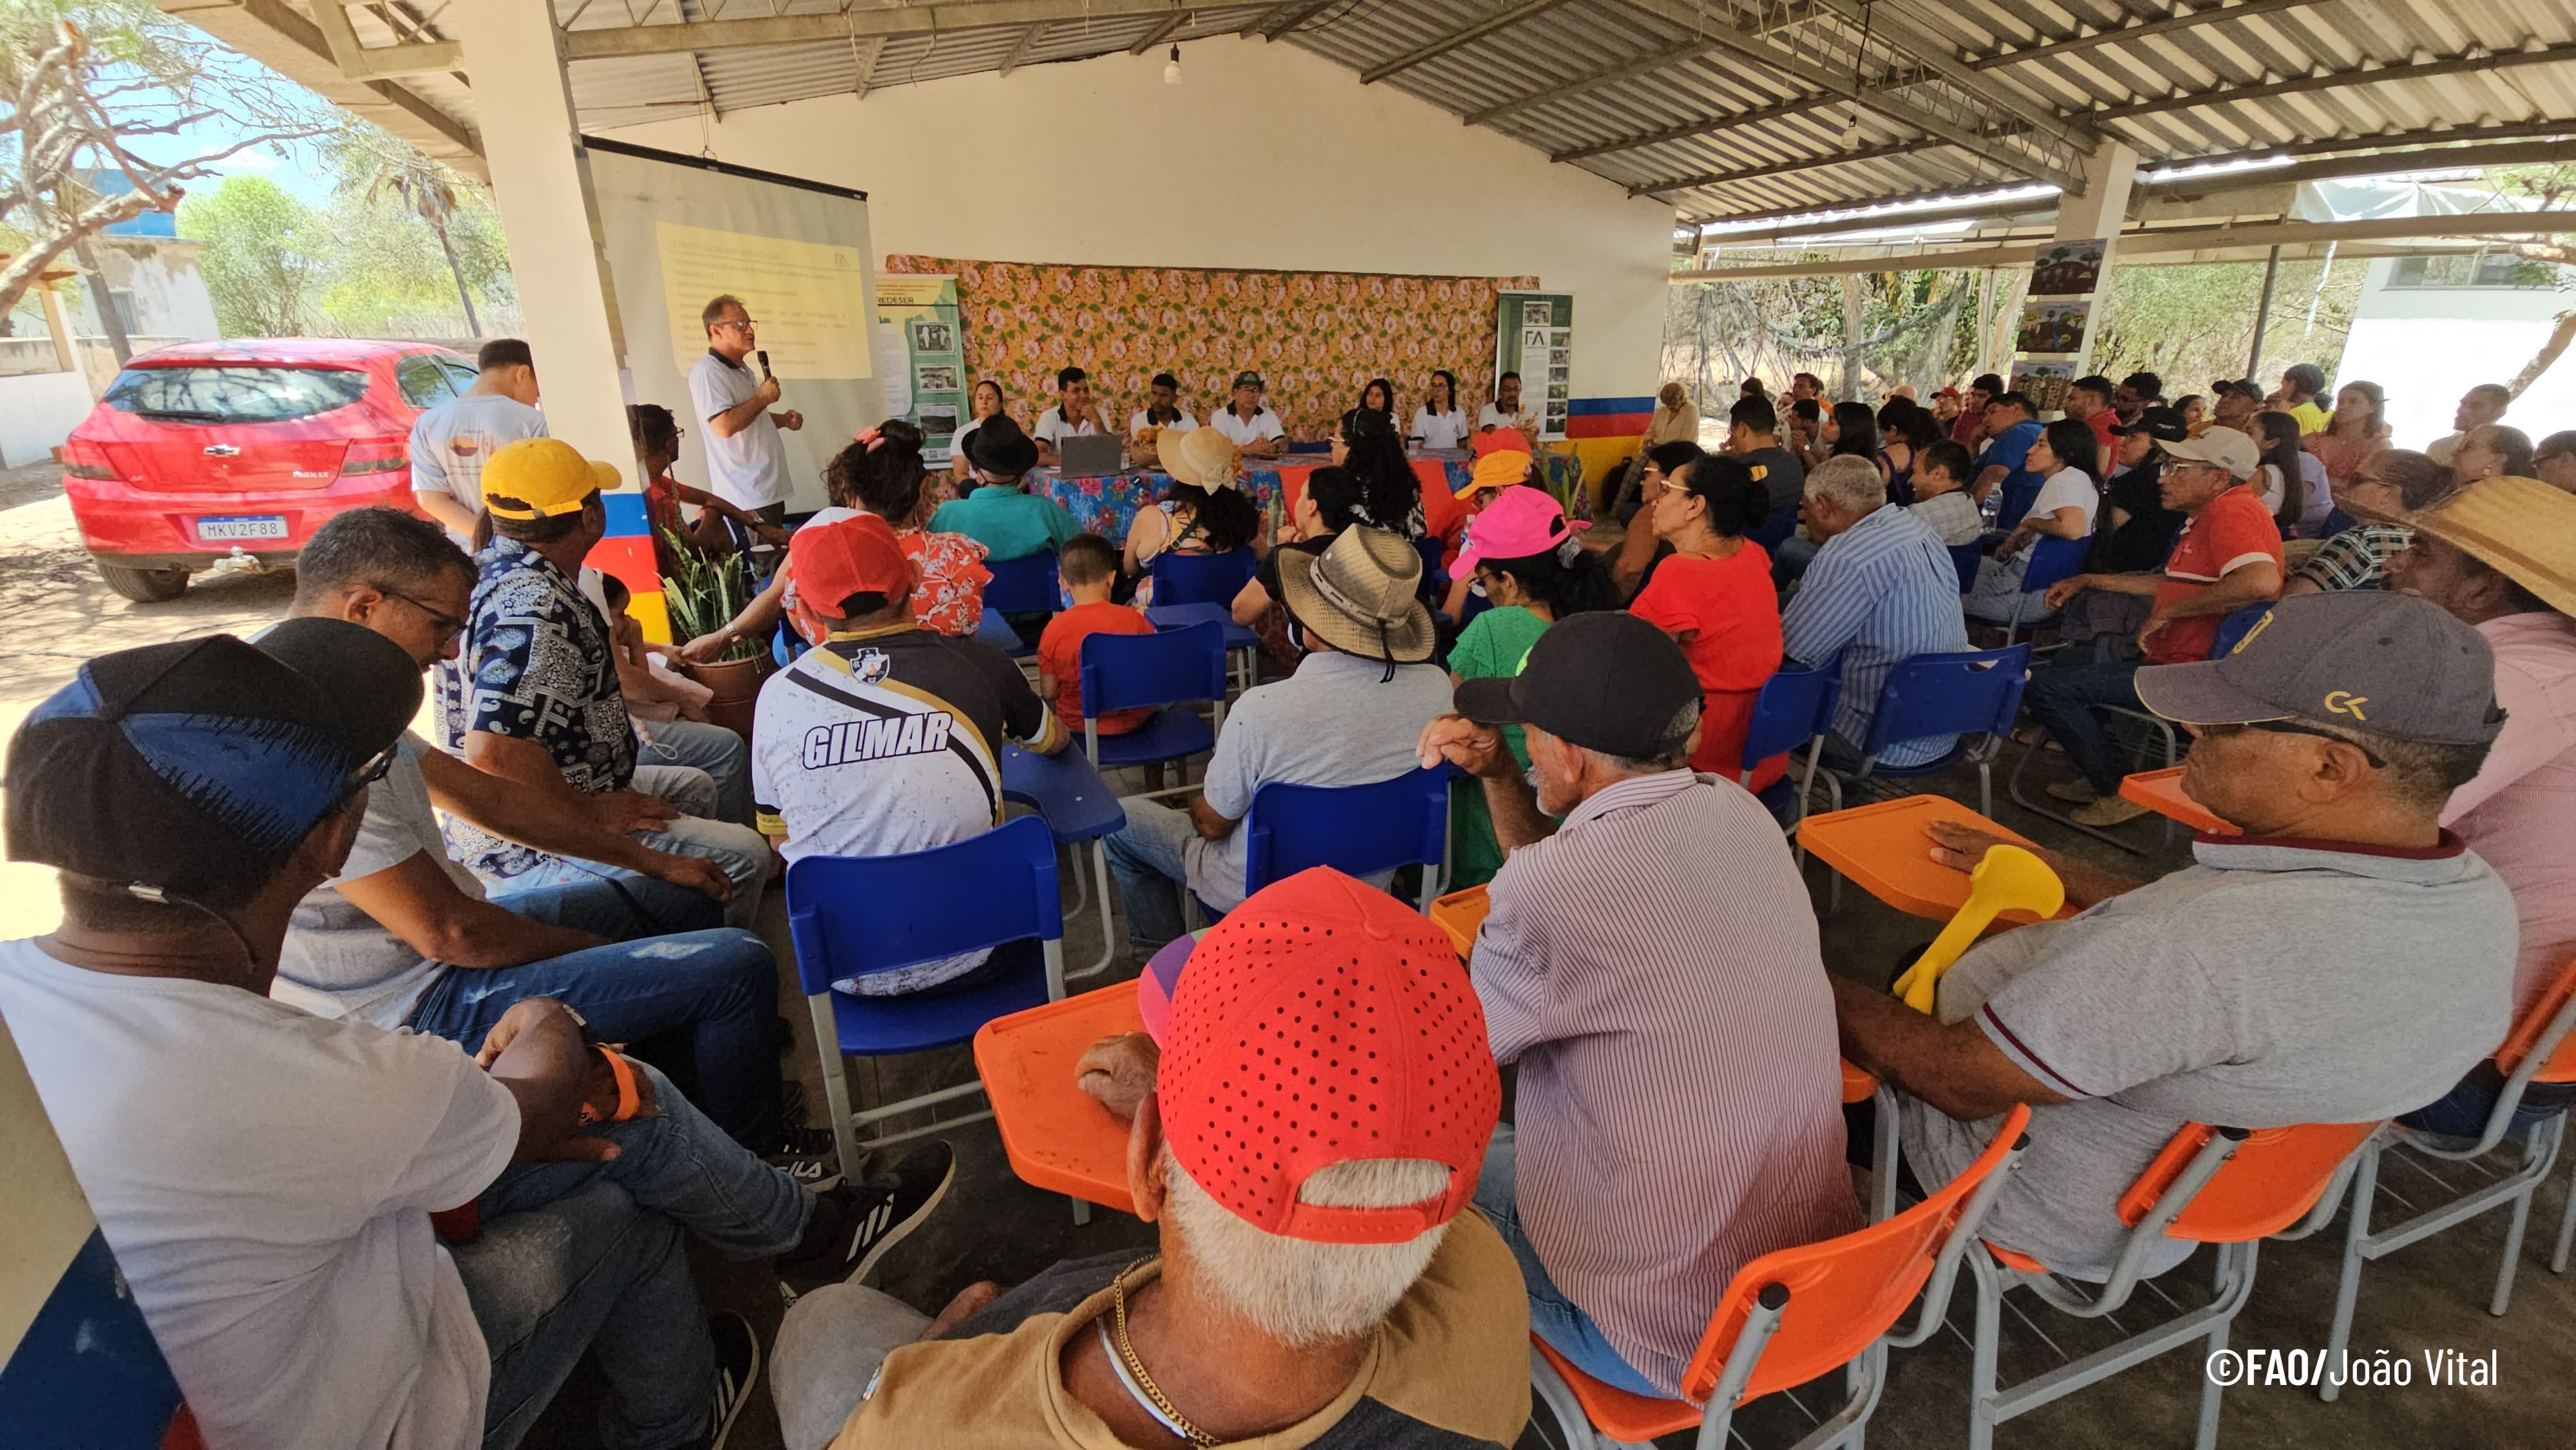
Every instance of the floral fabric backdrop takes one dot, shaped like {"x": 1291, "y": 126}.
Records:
{"x": 1315, "y": 337}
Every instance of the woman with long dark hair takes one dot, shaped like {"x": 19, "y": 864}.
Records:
{"x": 1203, "y": 512}
{"x": 2066, "y": 457}
{"x": 2283, "y": 481}
{"x": 1714, "y": 597}
{"x": 1379, "y": 394}
{"x": 1851, "y": 431}
{"x": 1390, "y": 493}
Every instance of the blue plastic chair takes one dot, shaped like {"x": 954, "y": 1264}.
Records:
{"x": 857, "y": 916}
{"x": 1973, "y": 695}
{"x": 2015, "y": 501}
{"x": 1796, "y": 707}
{"x": 2051, "y": 559}
{"x": 2233, "y": 629}
{"x": 1175, "y": 668}
{"x": 1202, "y": 578}
{"x": 1964, "y": 557}
{"x": 1025, "y": 585}
{"x": 1360, "y": 829}
{"x": 1773, "y": 530}
{"x": 1242, "y": 646}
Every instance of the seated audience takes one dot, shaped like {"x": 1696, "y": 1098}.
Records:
{"x": 2492, "y": 451}
{"x": 2501, "y": 557}
{"x": 266, "y": 1177}
{"x": 2392, "y": 483}
{"x": 1677, "y": 1075}
{"x": 2356, "y": 432}
{"x": 2553, "y": 461}
{"x": 985, "y": 402}
{"x": 880, "y": 473}
{"x": 1882, "y": 589}
{"x": 1390, "y": 491}
{"x": 2281, "y": 979}
{"x": 1328, "y": 504}
{"x": 1534, "y": 571}
{"x": 1639, "y": 549}
{"x": 1088, "y": 567}
{"x": 1248, "y": 423}
{"x": 2233, "y": 405}
{"x": 1969, "y": 431}
{"x": 1162, "y": 411}
{"x": 2069, "y": 494}
{"x": 1439, "y": 424}
{"x": 1073, "y": 416}
{"x": 887, "y": 738}
{"x": 2089, "y": 402}
{"x": 2290, "y": 482}
{"x": 1904, "y": 431}
{"x": 2227, "y": 556}
{"x": 545, "y": 713}
{"x": 2134, "y": 531}
{"x": 402, "y": 936}
{"x": 656, "y": 436}
{"x": 1336, "y": 1300}
{"x": 1714, "y": 597}
{"x": 1941, "y": 498}
{"x": 2137, "y": 392}
{"x": 1506, "y": 410}
{"x": 1348, "y": 716}
{"x": 1495, "y": 473}
{"x": 2483, "y": 404}
{"x": 2012, "y": 426}
{"x": 653, "y": 693}
{"x": 2297, "y": 396}
{"x": 1001, "y": 514}
{"x": 1203, "y": 512}
{"x": 1753, "y": 434}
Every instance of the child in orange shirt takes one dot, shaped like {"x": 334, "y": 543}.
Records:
{"x": 1088, "y": 565}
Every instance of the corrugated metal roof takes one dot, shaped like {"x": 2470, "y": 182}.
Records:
{"x": 1663, "y": 97}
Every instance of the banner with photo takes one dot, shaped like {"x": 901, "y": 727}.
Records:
{"x": 925, "y": 364}
{"x": 1534, "y": 337}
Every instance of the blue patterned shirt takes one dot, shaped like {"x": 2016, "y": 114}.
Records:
{"x": 535, "y": 666}
{"x": 1878, "y": 592}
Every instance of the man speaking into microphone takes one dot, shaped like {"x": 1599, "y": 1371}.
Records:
{"x": 746, "y": 466}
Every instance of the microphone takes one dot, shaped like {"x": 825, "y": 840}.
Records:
{"x": 765, "y": 374}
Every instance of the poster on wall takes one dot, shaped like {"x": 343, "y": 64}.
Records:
{"x": 2044, "y": 383}
{"x": 2067, "y": 269}
{"x": 1534, "y": 337}
{"x": 2053, "y": 328}
{"x": 925, "y": 355}
{"x": 2055, "y": 337}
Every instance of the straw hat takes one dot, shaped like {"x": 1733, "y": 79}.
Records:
{"x": 2519, "y": 527}
{"x": 1358, "y": 595}
{"x": 1201, "y": 457}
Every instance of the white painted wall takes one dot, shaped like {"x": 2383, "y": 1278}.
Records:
{"x": 37, "y": 412}
{"x": 1264, "y": 157}
{"x": 2428, "y": 345}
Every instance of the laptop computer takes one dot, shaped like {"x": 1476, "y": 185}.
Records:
{"x": 1090, "y": 456}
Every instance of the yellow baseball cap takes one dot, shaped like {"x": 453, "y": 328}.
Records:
{"x": 535, "y": 478}
{"x": 1499, "y": 469}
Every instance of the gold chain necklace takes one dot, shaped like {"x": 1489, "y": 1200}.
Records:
{"x": 1136, "y": 1367}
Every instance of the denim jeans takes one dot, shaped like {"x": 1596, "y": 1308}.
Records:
{"x": 2463, "y": 1112}
{"x": 1553, "y": 1317}
{"x": 739, "y": 850}
{"x": 2062, "y": 697}
{"x": 1150, "y": 857}
{"x": 711, "y": 996}
{"x": 589, "y": 1258}
{"x": 694, "y": 745}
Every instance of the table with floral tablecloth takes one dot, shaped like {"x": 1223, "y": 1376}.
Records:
{"x": 1107, "y": 505}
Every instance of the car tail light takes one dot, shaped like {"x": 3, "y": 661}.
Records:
{"x": 84, "y": 459}
{"x": 375, "y": 455}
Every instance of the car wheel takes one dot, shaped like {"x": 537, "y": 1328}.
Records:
{"x": 144, "y": 586}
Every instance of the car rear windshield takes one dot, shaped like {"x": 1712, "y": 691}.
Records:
{"x": 219, "y": 394}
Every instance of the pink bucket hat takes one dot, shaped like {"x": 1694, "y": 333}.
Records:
{"x": 1519, "y": 523}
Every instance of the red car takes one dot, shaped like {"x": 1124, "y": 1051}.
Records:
{"x": 205, "y": 450}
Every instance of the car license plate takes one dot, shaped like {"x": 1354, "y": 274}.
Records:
{"x": 256, "y": 526}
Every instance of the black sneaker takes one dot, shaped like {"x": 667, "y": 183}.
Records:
{"x": 807, "y": 1155}
{"x": 855, "y": 1223}
{"x": 737, "y": 1373}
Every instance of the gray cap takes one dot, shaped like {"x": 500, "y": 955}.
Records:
{"x": 2392, "y": 664}
{"x": 2226, "y": 447}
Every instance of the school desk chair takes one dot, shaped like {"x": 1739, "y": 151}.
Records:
{"x": 1973, "y": 695}
{"x": 2052, "y": 559}
{"x": 1175, "y": 669}
{"x": 1795, "y": 707}
{"x": 1202, "y": 578}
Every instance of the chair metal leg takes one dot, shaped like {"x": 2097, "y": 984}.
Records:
{"x": 1986, "y": 789}
{"x": 2566, "y": 1230}
{"x": 1981, "y": 1373}
{"x": 1081, "y": 1212}
{"x": 2356, "y": 1236}
{"x": 1108, "y": 922}
{"x": 2211, "y": 1390}
{"x": 1553, "y": 1392}
{"x": 836, "y": 1084}
{"x": 1883, "y": 1153}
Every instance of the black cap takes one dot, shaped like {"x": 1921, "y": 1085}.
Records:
{"x": 2247, "y": 386}
{"x": 998, "y": 447}
{"x": 2165, "y": 425}
{"x": 198, "y": 767}
{"x": 1604, "y": 679}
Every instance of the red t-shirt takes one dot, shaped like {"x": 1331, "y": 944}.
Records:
{"x": 1060, "y": 656}
{"x": 1964, "y": 428}
{"x": 1730, "y": 604}
{"x": 2230, "y": 531}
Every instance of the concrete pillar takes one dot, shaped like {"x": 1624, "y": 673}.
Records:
{"x": 541, "y": 183}
{"x": 58, "y": 321}
{"x": 2109, "y": 174}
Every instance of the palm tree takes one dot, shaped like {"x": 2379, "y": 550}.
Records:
{"x": 428, "y": 191}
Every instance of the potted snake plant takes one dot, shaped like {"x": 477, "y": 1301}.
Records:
{"x": 703, "y": 595}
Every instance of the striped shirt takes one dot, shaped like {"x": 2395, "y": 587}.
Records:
{"x": 1879, "y": 592}
{"x": 1680, "y": 1095}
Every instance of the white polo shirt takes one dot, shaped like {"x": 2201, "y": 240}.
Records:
{"x": 1265, "y": 424}
{"x": 749, "y": 469}
{"x": 1440, "y": 430}
{"x": 1526, "y": 420}
{"x": 1137, "y": 423}
{"x": 1052, "y": 427}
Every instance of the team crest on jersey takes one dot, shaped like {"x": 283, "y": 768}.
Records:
{"x": 463, "y": 447}
{"x": 871, "y": 667}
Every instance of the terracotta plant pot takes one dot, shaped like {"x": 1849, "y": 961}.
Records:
{"x": 736, "y": 688}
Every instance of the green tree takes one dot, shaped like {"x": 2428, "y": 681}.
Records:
{"x": 259, "y": 261}
{"x": 2551, "y": 188}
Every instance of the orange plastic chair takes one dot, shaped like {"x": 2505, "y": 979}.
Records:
{"x": 1462, "y": 914}
{"x": 2227, "y": 1187}
{"x": 2161, "y": 791}
{"x": 1882, "y": 848}
{"x": 1057, "y": 1137}
{"x": 2541, "y": 1048}
{"x": 1795, "y": 1314}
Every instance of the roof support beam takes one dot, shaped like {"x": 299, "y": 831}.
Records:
{"x": 693, "y": 35}
{"x": 1593, "y": 81}
{"x": 292, "y": 45}
{"x": 2140, "y": 30}
{"x": 1456, "y": 38}
{"x": 2235, "y": 94}
{"x": 358, "y": 63}
{"x": 1288, "y": 17}
{"x": 1804, "y": 163}
{"x": 863, "y": 60}
{"x": 1937, "y": 55}
{"x": 1020, "y": 49}
{"x": 1714, "y": 125}
{"x": 1160, "y": 33}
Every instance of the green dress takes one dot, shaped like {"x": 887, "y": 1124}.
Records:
{"x": 1493, "y": 643}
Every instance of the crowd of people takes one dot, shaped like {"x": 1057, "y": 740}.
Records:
{"x": 517, "y": 962}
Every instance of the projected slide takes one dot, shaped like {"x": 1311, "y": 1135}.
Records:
{"x": 809, "y": 298}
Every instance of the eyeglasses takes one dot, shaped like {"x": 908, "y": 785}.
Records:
{"x": 449, "y": 626}
{"x": 746, "y": 324}
{"x": 375, "y": 769}
{"x": 2291, "y": 727}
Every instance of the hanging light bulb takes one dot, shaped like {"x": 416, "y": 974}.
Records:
{"x": 1172, "y": 68}
{"x": 1851, "y": 129}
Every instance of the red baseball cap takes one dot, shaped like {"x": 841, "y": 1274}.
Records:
{"x": 1500, "y": 440}
{"x": 1324, "y": 1022}
{"x": 848, "y": 556}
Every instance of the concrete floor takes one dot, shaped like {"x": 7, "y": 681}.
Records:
{"x": 2429, "y": 1297}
